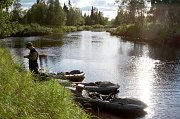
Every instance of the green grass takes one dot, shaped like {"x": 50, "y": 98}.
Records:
{"x": 23, "y": 98}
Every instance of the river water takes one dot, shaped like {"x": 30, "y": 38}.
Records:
{"x": 146, "y": 72}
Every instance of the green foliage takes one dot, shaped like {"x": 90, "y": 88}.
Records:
{"x": 34, "y": 27}
{"x": 74, "y": 17}
{"x": 37, "y": 14}
{"x": 166, "y": 12}
{"x": 5, "y": 3}
{"x": 50, "y": 13}
{"x": 21, "y": 97}
{"x": 154, "y": 31}
{"x": 31, "y": 29}
{"x": 165, "y": 1}
{"x": 6, "y": 27}
{"x": 70, "y": 28}
{"x": 79, "y": 28}
{"x": 122, "y": 28}
{"x": 131, "y": 12}
{"x": 130, "y": 30}
{"x": 86, "y": 27}
{"x": 177, "y": 30}
{"x": 65, "y": 8}
{"x": 45, "y": 13}
{"x": 121, "y": 18}
{"x": 150, "y": 32}
{"x": 98, "y": 26}
{"x": 57, "y": 30}
{"x": 96, "y": 17}
{"x": 160, "y": 24}
{"x": 58, "y": 18}
{"x": 17, "y": 11}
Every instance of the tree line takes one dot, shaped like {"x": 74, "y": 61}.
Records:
{"x": 153, "y": 19}
{"x": 49, "y": 13}
{"x": 140, "y": 12}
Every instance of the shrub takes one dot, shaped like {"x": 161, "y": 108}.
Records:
{"x": 87, "y": 27}
{"x": 98, "y": 26}
{"x": 69, "y": 28}
{"x": 153, "y": 31}
{"x": 80, "y": 28}
{"x": 130, "y": 30}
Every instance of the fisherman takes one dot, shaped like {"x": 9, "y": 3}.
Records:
{"x": 33, "y": 56}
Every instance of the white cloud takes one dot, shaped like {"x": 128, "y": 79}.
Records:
{"x": 99, "y": 2}
{"x": 108, "y": 7}
{"x": 110, "y": 14}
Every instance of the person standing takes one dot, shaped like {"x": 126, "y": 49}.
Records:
{"x": 33, "y": 57}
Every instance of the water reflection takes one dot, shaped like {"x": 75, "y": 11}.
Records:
{"x": 145, "y": 74}
{"x": 143, "y": 71}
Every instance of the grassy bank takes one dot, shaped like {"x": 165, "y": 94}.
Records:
{"x": 34, "y": 29}
{"x": 20, "y": 30}
{"x": 21, "y": 97}
{"x": 152, "y": 33}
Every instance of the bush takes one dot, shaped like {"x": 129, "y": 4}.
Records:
{"x": 130, "y": 30}
{"x": 57, "y": 30}
{"x": 87, "y": 27}
{"x": 150, "y": 31}
{"x": 98, "y": 26}
{"x": 80, "y": 28}
{"x": 69, "y": 28}
{"x": 33, "y": 29}
{"x": 5, "y": 25}
{"x": 153, "y": 31}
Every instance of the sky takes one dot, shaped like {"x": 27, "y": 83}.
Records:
{"x": 108, "y": 7}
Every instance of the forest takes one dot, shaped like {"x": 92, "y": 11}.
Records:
{"x": 153, "y": 20}
{"x": 45, "y": 17}
{"x": 149, "y": 20}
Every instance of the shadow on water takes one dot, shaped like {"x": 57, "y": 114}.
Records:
{"x": 163, "y": 52}
{"x": 20, "y": 42}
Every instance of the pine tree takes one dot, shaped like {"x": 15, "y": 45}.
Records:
{"x": 65, "y": 8}
{"x": 17, "y": 11}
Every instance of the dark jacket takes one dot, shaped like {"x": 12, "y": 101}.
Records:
{"x": 33, "y": 57}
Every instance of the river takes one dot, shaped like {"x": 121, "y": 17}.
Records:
{"x": 150, "y": 73}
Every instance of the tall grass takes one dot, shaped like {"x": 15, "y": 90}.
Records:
{"x": 21, "y": 97}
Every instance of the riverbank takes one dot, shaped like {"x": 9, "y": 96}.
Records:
{"x": 37, "y": 30}
{"x": 152, "y": 33}
{"x": 34, "y": 29}
{"x": 21, "y": 97}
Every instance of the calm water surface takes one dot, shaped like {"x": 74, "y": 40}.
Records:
{"x": 149, "y": 73}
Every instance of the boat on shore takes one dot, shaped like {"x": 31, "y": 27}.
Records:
{"x": 102, "y": 87}
{"x": 73, "y": 76}
{"x": 108, "y": 103}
